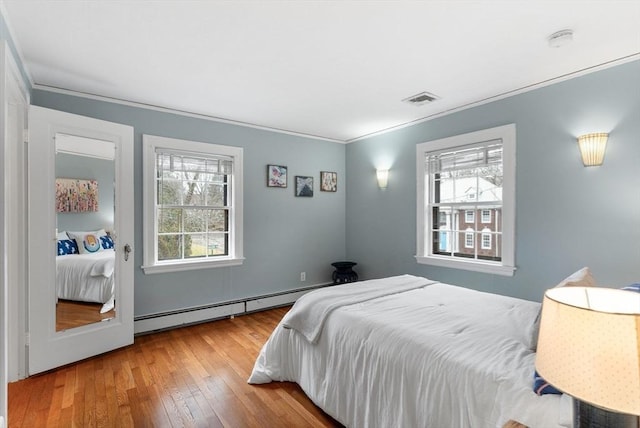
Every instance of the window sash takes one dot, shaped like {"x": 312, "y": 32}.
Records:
{"x": 189, "y": 172}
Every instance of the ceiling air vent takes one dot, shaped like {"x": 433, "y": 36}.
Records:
{"x": 421, "y": 98}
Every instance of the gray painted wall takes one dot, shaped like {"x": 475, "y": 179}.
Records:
{"x": 75, "y": 166}
{"x": 567, "y": 216}
{"x": 283, "y": 234}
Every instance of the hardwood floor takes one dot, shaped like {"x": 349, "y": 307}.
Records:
{"x": 70, "y": 314}
{"x": 189, "y": 377}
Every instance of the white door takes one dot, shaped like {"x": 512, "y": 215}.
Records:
{"x": 86, "y": 144}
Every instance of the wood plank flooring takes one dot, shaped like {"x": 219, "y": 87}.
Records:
{"x": 188, "y": 377}
{"x": 70, "y": 314}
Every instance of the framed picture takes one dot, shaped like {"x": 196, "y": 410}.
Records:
{"x": 328, "y": 181}
{"x": 304, "y": 186}
{"x": 276, "y": 176}
{"x": 75, "y": 195}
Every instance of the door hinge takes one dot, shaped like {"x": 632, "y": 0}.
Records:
{"x": 27, "y": 339}
{"x": 25, "y": 135}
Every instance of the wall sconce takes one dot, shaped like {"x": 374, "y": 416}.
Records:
{"x": 592, "y": 147}
{"x": 383, "y": 177}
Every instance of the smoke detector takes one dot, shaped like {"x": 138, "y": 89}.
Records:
{"x": 560, "y": 38}
{"x": 421, "y": 98}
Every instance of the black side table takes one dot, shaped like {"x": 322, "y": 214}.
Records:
{"x": 343, "y": 273}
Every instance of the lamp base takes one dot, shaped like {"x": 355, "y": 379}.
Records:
{"x": 587, "y": 416}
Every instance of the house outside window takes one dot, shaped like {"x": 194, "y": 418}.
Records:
{"x": 192, "y": 205}
{"x": 481, "y": 164}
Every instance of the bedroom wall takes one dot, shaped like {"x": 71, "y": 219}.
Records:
{"x": 284, "y": 235}
{"x": 101, "y": 170}
{"x": 567, "y": 216}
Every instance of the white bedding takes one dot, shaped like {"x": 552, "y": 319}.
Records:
{"x": 434, "y": 356}
{"x": 87, "y": 278}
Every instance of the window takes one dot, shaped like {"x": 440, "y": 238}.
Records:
{"x": 485, "y": 216}
{"x": 486, "y": 239}
{"x": 469, "y": 216}
{"x": 468, "y": 238}
{"x": 450, "y": 170}
{"x": 192, "y": 205}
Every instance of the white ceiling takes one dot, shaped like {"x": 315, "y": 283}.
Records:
{"x": 332, "y": 69}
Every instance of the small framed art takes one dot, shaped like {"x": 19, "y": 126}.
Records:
{"x": 328, "y": 181}
{"x": 304, "y": 186}
{"x": 276, "y": 176}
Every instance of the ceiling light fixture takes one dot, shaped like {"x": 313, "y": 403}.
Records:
{"x": 560, "y": 38}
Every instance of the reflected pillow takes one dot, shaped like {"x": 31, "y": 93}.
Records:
{"x": 67, "y": 246}
{"x": 542, "y": 387}
{"x": 107, "y": 242}
{"x": 88, "y": 242}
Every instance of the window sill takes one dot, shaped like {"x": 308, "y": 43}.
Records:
{"x": 476, "y": 266}
{"x": 194, "y": 265}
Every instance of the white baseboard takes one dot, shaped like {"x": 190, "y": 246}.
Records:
{"x": 196, "y": 315}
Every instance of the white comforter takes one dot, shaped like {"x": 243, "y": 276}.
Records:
{"x": 435, "y": 356}
{"x": 87, "y": 278}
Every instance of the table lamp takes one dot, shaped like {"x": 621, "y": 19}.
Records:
{"x": 589, "y": 348}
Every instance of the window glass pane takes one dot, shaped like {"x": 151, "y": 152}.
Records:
{"x": 169, "y": 247}
{"x": 217, "y": 221}
{"x": 169, "y": 191}
{"x": 195, "y": 245}
{"x": 169, "y": 220}
{"x": 193, "y": 190}
{"x": 194, "y": 220}
{"x": 217, "y": 244}
{"x": 216, "y": 193}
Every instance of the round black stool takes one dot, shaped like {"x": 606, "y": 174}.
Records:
{"x": 343, "y": 273}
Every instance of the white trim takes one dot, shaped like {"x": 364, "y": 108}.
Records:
{"x": 149, "y": 145}
{"x": 180, "y": 112}
{"x": 16, "y": 44}
{"x": 507, "y": 134}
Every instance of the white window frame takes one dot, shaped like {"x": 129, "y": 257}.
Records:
{"x": 484, "y": 219}
{"x": 470, "y": 216}
{"x": 469, "y": 239}
{"x": 486, "y": 233}
{"x": 150, "y": 143}
{"x": 424, "y": 254}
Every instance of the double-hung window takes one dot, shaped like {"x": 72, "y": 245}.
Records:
{"x": 192, "y": 205}
{"x": 468, "y": 179}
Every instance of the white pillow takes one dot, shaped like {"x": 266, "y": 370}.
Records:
{"x": 88, "y": 242}
{"x": 62, "y": 236}
{"x": 580, "y": 278}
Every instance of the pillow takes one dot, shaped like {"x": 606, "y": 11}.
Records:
{"x": 632, "y": 287}
{"x": 107, "y": 242}
{"x": 580, "y": 278}
{"x": 542, "y": 387}
{"x": 67, "y": 246}
{"x": 88, "y": 242}
{"x": 62, "y": 236}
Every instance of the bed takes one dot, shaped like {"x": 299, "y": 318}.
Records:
{"x": 85, "y": 276}
{"x": 406, "y": 351}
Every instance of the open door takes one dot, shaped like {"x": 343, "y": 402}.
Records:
{"x": 80, "y": 237}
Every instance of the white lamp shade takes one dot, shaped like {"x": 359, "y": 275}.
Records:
{"x": 589, "y": 346}
{"x": 383, "y": 178}
{"x": 592, "y": 148}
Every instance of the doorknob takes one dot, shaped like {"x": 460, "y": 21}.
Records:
{"x": 127, "y": 250}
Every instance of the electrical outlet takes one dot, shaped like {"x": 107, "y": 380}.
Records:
{"x": 303, "y": 276}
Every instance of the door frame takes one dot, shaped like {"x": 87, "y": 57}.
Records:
{"x": 49, "y": 348}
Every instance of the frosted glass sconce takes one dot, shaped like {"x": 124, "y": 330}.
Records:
{"x": 592, "y": 148}
{"x": 383, "y": 178}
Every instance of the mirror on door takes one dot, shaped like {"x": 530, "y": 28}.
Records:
{"x": 85, "y": 231}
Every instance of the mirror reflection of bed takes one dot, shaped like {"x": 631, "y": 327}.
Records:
{"x": 85, "y": 258}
